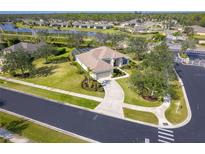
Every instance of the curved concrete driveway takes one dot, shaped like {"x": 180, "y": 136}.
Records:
{"x": 112, "y": 103}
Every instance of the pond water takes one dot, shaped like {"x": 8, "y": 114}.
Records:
{"x": 9, "y": 27}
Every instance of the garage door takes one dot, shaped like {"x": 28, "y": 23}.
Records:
{"x": 104, "y": 74}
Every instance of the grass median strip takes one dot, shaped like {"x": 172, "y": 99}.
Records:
{"x": 35, "y": 132}
{"x": 140, "y": 116}
{"x": 50, "y": 95}
{"x": 177, "y": 112}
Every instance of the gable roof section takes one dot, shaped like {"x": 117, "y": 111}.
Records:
{"x": 30, "y": 47}
{"x": 94, "y": 58}
{"x": 105, "y": 53}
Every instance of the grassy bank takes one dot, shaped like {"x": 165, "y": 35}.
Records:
{"x": 200, "y": 37}
{"x": 131, "y": 96}
{"x": 36, "y": 132}
{"x": 50, "y": 95}
{"x": 177, "y": 112}
{"x": 140, "y": 116}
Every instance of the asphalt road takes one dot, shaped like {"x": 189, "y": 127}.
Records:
{"x": 88, "y": 124}
{"x": 194, "y": 82}
{"x": 107, "y": 129}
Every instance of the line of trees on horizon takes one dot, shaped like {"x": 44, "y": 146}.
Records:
{"x": 197, "y": 18}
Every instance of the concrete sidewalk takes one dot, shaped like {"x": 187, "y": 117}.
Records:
{"x": 158, "y": 111}
{"x": 98, "y": 99}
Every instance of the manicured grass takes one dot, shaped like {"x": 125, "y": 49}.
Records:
{"x": 2, "y": 140}
{"x": 177, "y": 112}
{"x": 38, "y": 133}
{"x": 140, "y": 116}
{"x": 62, "y": 75}
{"x": 51, "y": 95}
{"x": 200, "y": 37}
{"x": 131, "y": 97}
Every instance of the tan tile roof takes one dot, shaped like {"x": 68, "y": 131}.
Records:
{"x": 30, "y": 47}
{"x": 93, "y": 58}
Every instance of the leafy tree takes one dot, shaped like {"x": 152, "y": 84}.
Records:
{"x": 139, "y": 46}
{"x": 188, "y": 30}
{"x": 45, "y": 51}
{"x": 160, "y": 59}
{"x": 158, "y": 37}
{"x": 13, "y": 41}
{"x": 188, "y": 44}
{"x": 150, "y": 83}
{"x": 18, "y": 60}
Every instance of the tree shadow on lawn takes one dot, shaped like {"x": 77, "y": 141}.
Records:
{"x": 16, "y": 126}
{"x": 43, "y": 71}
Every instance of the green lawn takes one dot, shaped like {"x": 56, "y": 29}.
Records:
{"x": 2, "y": 140}
{"x": 36, "y": 132}
{"x": 140, "y": 116}
{"x": 62, "y": 75}
{"x": 51, "y": 95}
{"x": 200, "y": 37}
{"x": 131, "y": 97}
{"x": 177, "y": 112}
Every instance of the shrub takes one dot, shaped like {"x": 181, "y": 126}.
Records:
{"x": 71, "y": 57}
{"x": 60, "y": 51}
{"x": 91, "y": 85}
{"x": 184, "y": 55}
{"x": 58, "y": 59}
{"x": 117, "y": 73}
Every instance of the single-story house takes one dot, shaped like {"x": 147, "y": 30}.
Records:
{"x": 91, "y": 25}
{"x": 30, "y": 47}
{"x": 198, "y": 30}
{"x": 59, "y": 24}
{"x": 101, "y": 61}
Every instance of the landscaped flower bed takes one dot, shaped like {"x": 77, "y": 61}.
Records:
{"x": 117, "y": 73}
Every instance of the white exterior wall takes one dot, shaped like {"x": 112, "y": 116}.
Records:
{"x": 201, "y": 33}
{"x": 100, "y": 75}
{"x": 81, "y": 64}
{"x": 95, "y": 76}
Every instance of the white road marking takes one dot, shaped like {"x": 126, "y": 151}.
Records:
{"x": 163, "y": 141}
{"x": 167, "y": 138}
{"x": 171, "y": 135}
{"x": 95, "y": 117}
{"x": 166, "y": 130}
{"x": 147, "y": 140}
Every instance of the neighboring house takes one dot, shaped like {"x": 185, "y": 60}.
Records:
{"x": 198, "y": 30}
{"x": 59, "y": 24}
{"x": 90, "y": 25}
{"x": 175, "y": 38}
{"x": 174, "y": 47}
{"x": 30, "y": 47}
{"x": 140, "y": 29}
{"x": 101, "y": 61}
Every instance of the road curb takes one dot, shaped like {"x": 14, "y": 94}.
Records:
{"x": 188, "y": 118}
{"x": 90, "y": 110}
{"x": 49, "y": 126}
